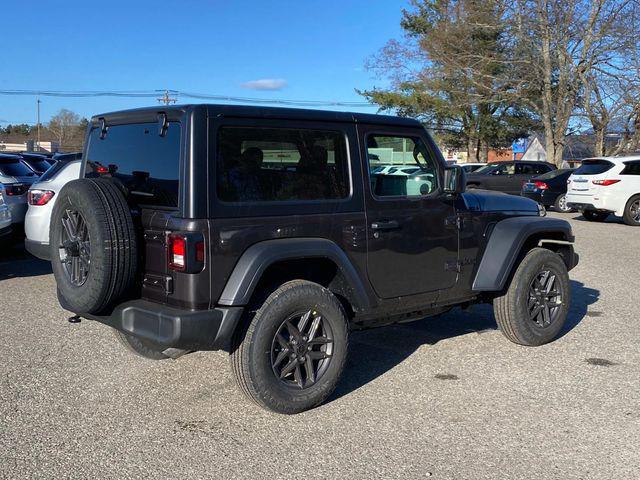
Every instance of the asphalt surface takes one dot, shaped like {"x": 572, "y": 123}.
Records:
{"x": 448, "y": 397}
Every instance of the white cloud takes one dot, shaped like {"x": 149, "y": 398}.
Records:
{"x": 265, "y": 84}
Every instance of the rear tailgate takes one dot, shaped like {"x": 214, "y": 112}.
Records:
{"x": 581, "y": 183}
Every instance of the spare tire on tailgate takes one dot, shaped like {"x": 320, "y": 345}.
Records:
{"x": 93, "y": 245}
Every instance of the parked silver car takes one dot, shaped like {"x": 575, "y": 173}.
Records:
{"x": 16, "y": 178}
{"x": 5, "y": 216}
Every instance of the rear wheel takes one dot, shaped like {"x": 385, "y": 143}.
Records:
{"x": 535, "y": 305}
{"x": 595, "y": 216}
{"x": 291, "y": 355}
{"x": 143, "y": 348}
{"x": 560, "y": 204}
{"x": 631, "y": 214}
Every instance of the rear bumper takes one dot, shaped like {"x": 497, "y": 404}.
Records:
{"x": 172, "y": 327}
{"x": 37, "y": 249}
{"x": 545, "y": 197}
{"x": 586, "y": 206}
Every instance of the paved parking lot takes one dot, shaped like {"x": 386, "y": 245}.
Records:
{"x": 445, "y": 398}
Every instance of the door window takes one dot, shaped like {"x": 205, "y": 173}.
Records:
{"x": 401, "y": 166}
{"x": 281, "y": 164}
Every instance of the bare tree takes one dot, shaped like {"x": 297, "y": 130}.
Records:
{"x": 64, "y": 126}
{"x": 564, "y": 46}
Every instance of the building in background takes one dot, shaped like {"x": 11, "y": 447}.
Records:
{"x": 29, "y": 146}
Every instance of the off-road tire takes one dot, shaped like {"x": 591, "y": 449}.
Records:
{"x": 510, "y": 309}
{"x": 560, "y": 205}
{"x": 251, "y": 360}
{"x": 595, "y": 216}
{"x": 140, "y": 347}
{"x": 628, "y": 217}
{"x": 113, "y": 253}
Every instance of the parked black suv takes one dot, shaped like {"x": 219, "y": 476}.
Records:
{"x": 266, "y": 232}
{"x": 507, "y": 177}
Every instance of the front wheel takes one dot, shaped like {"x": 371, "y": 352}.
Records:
{"x": 291, "y": 354}
{"x": 595, "y": 216}
{"x": 535, "y": 305}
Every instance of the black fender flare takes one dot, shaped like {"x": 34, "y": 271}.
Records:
{"x": 257, "y": 258}
{"x": 505, "y": 243}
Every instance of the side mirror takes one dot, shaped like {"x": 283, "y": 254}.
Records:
{"x": 455, "y": 180}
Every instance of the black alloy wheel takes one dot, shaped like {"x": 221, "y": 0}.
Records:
{"x": 545, "y": 300}
{"x": 301, "y": 349}
{"x": 75, "y": 247}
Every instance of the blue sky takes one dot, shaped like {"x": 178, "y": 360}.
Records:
{"x": 317, "y": 49}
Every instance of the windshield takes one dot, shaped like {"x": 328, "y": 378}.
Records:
{"x": 487, "y": 169}
{"x": 14, "y": 168}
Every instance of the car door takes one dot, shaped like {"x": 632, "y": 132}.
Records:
{"x": 501, "y": 179}
{"x": 412, "y": 239}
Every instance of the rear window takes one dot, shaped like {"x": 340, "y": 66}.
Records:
{"x": 39, "y": 166}
{"x": 54, "y": 169}
{"x": 631, "y": 168}
{"x": 281, "y": 164}
{"x": 593, "y": 167}
{"x": 14, "y": 168}
{"x": 147, "y": 164}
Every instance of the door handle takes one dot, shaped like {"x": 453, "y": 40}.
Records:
{"x": 385, "y": 225}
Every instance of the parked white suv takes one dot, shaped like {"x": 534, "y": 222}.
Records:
{"x": 42, "y": 197}
{"x": 602, "y": 186}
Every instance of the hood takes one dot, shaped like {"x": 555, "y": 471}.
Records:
{"x": 490, "y": 201}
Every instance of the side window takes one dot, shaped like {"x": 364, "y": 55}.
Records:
{"x": 506, "y": 169}
{"x": 632, "y": 168}
{"x": 400, "y": 166}
{"x": 526, "y": 169}
{"x": 280, "y": 164}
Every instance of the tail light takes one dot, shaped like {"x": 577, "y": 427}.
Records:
{"x": 604, "y": 183}
{"x": 39, "y": 197}
{"x": 15, "y": 189}
{"x": 541, "y": 185}
{"x": 186, "y": 252}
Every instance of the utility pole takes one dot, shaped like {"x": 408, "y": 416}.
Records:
{"x": 38, "y": 126}
{"x": 166, "y": 99}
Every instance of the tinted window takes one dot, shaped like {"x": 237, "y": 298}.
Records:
{"x": 39, "y": 166}
{"x": 281, "y": 164}
{"x": 593, "y": 167}
{"x": 532, "y": 168}
{"x": 400, "y": 166}
{"x": 147, "y": 164}
{"x": 14, "y": 168}
{"x": 631, "y": 168}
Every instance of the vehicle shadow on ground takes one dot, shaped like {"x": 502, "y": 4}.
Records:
{"x": 17, "y": 262}
{"x": 374, "y": 352}
{"x": 610, "y": 219}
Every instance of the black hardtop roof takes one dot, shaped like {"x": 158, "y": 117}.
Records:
{"x": 248, "y": 111}
{"x": 10, "y": 156}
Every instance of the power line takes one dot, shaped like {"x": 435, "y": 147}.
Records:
{"x": 176, "y": 93}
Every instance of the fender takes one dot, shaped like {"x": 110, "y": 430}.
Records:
{"x": 505, "y": 244}
{"x": 255, "y": 260}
